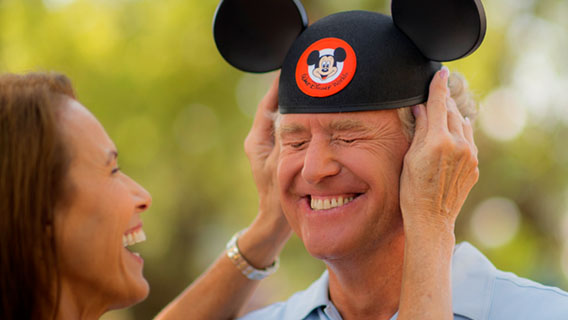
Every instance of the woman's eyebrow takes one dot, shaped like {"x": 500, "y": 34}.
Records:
{"x": 112, "y": 154}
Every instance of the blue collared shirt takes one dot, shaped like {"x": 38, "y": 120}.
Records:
{"x": 479, "y": 292}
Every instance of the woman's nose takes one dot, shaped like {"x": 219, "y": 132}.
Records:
{"x": 142, "y": 198}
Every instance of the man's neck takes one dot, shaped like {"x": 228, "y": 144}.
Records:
{"x": 368, "y": 285}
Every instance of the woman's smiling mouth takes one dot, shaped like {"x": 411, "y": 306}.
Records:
{"x": 132, "y": 237}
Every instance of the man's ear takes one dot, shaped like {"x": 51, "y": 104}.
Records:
{"x": 443, "y": 30}
{"x": 255, "y": 35}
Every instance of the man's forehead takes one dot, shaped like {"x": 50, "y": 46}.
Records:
{"x": 352, "y": 121}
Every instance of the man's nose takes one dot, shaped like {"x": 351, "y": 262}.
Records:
{"x": 319, "y": 162}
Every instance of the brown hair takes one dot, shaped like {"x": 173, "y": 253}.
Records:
{"x": 33, "y": 165}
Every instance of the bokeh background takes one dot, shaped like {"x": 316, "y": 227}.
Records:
{"x": 149, "y": 70}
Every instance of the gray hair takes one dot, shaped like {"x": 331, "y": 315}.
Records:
{"x": 459, "y": 91}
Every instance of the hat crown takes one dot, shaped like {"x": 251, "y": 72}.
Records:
{"x": 391, "y": 72}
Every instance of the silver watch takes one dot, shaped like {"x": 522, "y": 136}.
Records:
{"x": 243, "y": 265}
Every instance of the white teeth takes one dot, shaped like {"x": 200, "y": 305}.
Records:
{"x": 319, "y": 204}
{"x": 134, "y": 237}
{"x": 140, "y": 236}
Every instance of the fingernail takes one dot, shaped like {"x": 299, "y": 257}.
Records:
{"x": 415, "y": 111}
{"x": 444, "y": 72}
{"x": 467, "y": 120}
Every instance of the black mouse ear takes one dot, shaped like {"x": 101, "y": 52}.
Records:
{"x": 255, "y": 35}
{"x": 313, "y": 57}
{"x": 339, "y": 54}
{"x": 443, "y": 30}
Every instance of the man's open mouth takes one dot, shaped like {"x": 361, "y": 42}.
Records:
{"x": 324, "y": 203}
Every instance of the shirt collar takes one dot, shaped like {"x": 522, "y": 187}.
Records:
{"x": 472, "y": 283}
{"x": 306, "y": 301}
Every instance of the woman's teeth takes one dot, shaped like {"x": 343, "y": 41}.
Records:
{"x": 323, "y": 204}
{"x": 133, "y": 237}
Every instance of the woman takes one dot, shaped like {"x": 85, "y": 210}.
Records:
{"x": 68, "y": 214}
{"x": 62, "y": 194}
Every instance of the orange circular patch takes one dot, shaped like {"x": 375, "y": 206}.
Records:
{"x": 326, "y": 67}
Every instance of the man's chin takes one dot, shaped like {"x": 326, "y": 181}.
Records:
{"x": 324, "y": 248}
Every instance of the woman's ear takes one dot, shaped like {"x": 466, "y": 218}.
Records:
{"x": 255, "y": 35}
{"x": 443, "y": 30}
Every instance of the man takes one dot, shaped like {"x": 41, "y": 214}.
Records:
{"x": 382, "y": 259}
{"x": 377, "y": 205}
{"x": 371, "y": 247}
{"x": 369, "y": 177}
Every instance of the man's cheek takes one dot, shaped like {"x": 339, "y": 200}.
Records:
{"x": 289, "y": 168}
{"x": 284, "y": 180}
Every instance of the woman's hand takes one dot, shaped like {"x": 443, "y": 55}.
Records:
{"x": 440, "y": 167}
{"x": 270, "y": 226}
{"x": 223, "y": 290}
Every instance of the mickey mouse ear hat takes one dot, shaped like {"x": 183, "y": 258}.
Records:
{"x": 349, "y": 61}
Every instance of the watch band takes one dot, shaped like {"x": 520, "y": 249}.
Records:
{"x": 243, "y": 265}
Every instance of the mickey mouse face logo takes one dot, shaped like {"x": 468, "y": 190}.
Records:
{"x": 326, "y": 67}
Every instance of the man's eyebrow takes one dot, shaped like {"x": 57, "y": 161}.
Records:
{"x": 290, "y": 129}
{"x": 347, "y": 125}
{"x": 112, "y": 154}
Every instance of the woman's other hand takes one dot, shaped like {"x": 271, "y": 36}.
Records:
{"x": 266, "y": 236}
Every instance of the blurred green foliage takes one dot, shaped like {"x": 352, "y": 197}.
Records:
{"x": 150, "y": 72}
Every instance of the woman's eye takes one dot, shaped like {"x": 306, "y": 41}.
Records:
{"x": 348, "y": 140}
